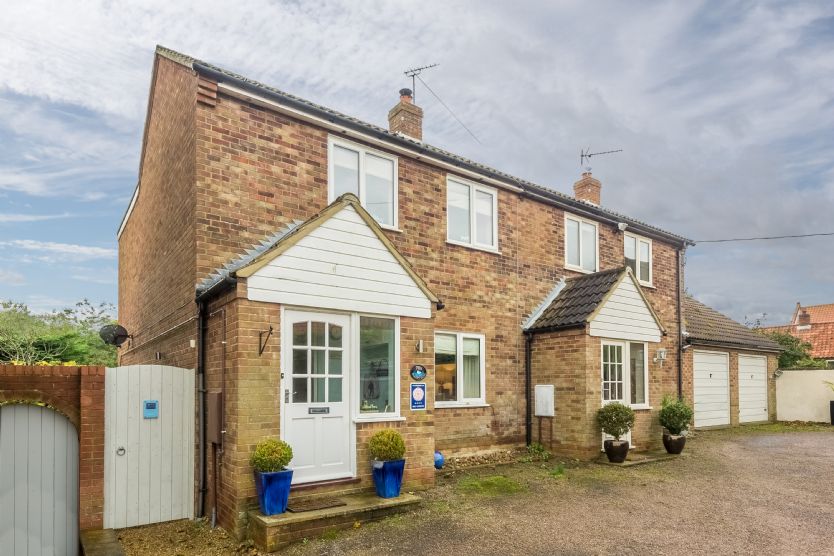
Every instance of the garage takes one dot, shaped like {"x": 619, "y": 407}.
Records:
{"x": 752, "y": 389}
{"x": 711, "y": 383}
{"x": 38, "y": 481}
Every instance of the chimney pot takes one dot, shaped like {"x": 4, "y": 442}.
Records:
{"x": 406, "y": 117}
{"x": 588, "y": 189}
{"x": 804, "y": 318}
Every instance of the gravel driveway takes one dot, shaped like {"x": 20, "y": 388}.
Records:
{"x": 733, "y": 492}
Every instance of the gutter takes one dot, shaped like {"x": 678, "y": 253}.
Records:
{"x": 726, "y": 345}
{"x": 202, "y": 299}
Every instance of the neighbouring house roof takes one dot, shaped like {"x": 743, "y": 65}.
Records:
{"x": 705, "y": 326}
{"x": 819, "y": 314}
{"x": 419, "y": 148}
{"x": 579, "y": 300}
{"x": 259, "y": 255}
{"x": 820, "y": 335}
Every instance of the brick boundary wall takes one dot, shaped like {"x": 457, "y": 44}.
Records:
{"x": 78, "y": 394}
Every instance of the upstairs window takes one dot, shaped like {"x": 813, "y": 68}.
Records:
{"x": 638, "y": 256}
{"x": 580, "y": 244}
{"x": 472, "y": 214}
{"x": 368, "y": 174}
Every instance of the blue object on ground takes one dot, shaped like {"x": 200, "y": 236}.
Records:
{"x": 439, "y": 460}
{"x": 388, "y": 477}
{"x": 273, "y": 491}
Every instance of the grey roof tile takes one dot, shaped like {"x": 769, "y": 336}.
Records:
{"x": 705, "y": 325}
{"x": 577, "y": 300}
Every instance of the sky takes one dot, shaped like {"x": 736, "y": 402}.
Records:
{"x": 724, "y": 112}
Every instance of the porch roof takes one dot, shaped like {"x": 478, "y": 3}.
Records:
{"x": 577, "y": 301}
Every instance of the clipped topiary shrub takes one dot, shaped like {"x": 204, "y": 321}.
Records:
{"x": 271, "y": 455}
{"x": 387, "y": 445}
{"x": 675, "y": 415}
{"x": 615, "y": 419}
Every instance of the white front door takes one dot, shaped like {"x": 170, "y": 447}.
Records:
{"x": 315, "y": 419}
{"x": 752, "y": 388}
{"x": 614, "y": 379}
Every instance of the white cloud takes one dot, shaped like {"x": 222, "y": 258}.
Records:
{"x": 6, "y": 218}
{"x": 11, "y": 278}
{"x": 55, "y": 252}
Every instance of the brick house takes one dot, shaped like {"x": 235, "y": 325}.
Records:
{"x": 813, "y": 324}
{"x": 304, "y": 262}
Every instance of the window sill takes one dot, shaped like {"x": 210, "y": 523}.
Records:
{"x": 641, "y": 407}
{"x": 388, "y": 228}
{"x": 473, "y": 247}
{"x": 378, "y": 419}
{"x": 578, "y": 269}
{"x": 646, "y": 285}
{"x": 459, "y": 405}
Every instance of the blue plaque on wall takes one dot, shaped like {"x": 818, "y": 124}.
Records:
{"x": 418, "y": 396}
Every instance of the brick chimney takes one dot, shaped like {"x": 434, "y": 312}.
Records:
{"x": 406, "y": 117}
{"x": 804, "y": 318}
{"x": 588, "y": 189}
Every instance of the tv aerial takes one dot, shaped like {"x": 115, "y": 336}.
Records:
{"x": 414, "y": 74}
{"x": 586, "y": 154}
{"x": 114, "y": 334}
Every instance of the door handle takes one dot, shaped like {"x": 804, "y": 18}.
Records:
{"x": 120, "y": 451}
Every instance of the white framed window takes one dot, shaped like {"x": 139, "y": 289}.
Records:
{"x": 471, "y": 214}
{"x": 581, "y": 239}
{"x": 459, "y": 369}
{"x": 369, "y": 174}
{"x": 625, "y": 373}
{"x": 378, "y": 362}
{"x": 638, "y": 256}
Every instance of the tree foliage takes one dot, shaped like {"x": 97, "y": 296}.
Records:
{"x": 797, "y": 354}
{"x": 59, "y": 337}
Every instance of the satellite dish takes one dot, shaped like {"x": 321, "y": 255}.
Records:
{"x": 114, "y": 334}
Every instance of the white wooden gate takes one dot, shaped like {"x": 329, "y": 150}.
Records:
{"x": 38, "y": 481}
{"x": 148, "y": 445}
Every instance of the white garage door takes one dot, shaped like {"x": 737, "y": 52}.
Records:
{"x": 38, "y": 481}
{"x": 752, "y": 388}
{"x": 712, "y": 388}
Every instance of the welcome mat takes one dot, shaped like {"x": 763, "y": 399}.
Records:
{"x": 314, "y": 504}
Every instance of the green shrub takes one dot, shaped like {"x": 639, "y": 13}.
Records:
{"x": 537, "y": 452}
{"x": 271, "y": 455}
{"x": 615, "y": 419}
{"x": 675, "y": 415}
{"x": 387, "y": 445}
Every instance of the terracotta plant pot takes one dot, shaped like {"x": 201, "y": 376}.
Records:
{"x": 616, "y": 450}
{"x": 674, "y": 443}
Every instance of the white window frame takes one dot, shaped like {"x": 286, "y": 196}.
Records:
{"x": 333, "y": 142}
{"x": 626, "y": 347}
{"x": 637, "y": 240}
{"x": 473, "y": 188}
{"x": 356, "y": 382}
{"x": 596, "y": 254}
{"x": 461, "y": 401}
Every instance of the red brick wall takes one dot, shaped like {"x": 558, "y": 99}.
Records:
{"x": 157, "y": 249}
{"x": 77, "y": 393}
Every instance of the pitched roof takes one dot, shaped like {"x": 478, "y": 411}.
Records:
{"x": 259, "y": 255}
{"x": 818, "y": 313}
{"x": 312, "y": 108}
{"x": 820, "y": 335}
{"x": 705, "y": 325}
{"x": 577, "y": 301}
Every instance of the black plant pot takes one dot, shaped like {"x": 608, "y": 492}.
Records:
{"x": 674, "y": 443}
{"x": 616, "y": 450}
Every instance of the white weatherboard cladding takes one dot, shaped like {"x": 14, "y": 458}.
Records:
{"x": 148, "y": 463}
{"x": 711, "y": 382}
{"x": 752, "y": 388}
{"x": 38, "y": 481}
{"x": 625, "y": 316}
{"x": 340, "y": 265}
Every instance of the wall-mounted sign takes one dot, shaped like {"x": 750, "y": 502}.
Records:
{"x": 418, "y": 396}
{"x": 150, "y": 409}
{"x": 418, "y": 372}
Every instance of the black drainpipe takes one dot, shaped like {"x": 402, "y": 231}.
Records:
{"x": 202, "y": 300}
{"x": 680, "y": 323}
{"x": 528, "y": 379}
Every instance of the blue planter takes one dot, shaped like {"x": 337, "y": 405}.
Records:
{"x": 273, "y": 491}
{"x": 388, "y": 477}
{"x": 439, "y": 460}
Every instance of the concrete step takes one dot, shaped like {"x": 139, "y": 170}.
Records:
{"x": 273, "y": 532}
{"x": 100, "y": 542}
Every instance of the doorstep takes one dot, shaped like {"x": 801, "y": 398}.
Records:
{"x": 273, "y": 532}
{"x": 100, "y": 542}
{"x": 639, "y": 458}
